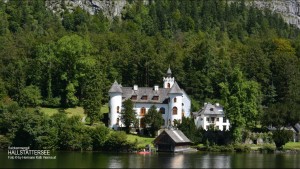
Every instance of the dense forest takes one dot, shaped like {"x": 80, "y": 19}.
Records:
{"x": 245, "y": 58}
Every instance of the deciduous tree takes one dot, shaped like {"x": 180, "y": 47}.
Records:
{"x": 128, "y": 115}
{"x": 154, "y": 119}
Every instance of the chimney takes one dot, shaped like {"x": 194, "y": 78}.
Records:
{"x": 217, "y": 104}
{"x": 205, "y": 103}
{"x": 135, "y": 87}
{"x": 156, "y": 88}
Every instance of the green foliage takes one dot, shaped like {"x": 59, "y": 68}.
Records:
{"x": 154, "y": 119}
{"x": 241, "y": 148}
{"x": 30, "y": 96}
{"x": 2, "y": 89}
{"x": 92, "y": 94}
{"x": 72, "y": 135}
{"x": 268, "y": 148}
{"x": 128, "y": 115}
{"x": 100, "y": 135}
{"x": 72, "y": 60}
{"x": 215, "y": 137}
{"x": 117, "y": 141}
{"x": 4, "y": 142}
{"x": 242, "y": 101}
{"x": 281, "y": 115}
{"x": 281, "y": 137}
{"x": 73, "y": 52}
{"x": 188, "y": 127}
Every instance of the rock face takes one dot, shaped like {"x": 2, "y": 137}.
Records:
{"x": 289, "y": 9}
{"x": 110, "y": 8}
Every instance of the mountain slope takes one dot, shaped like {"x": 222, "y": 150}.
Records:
{"x": 289, "y": 9}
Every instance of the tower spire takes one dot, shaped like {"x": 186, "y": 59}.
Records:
{"x": 169, "y": 72}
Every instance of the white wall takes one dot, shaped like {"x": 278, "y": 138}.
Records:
{"x": 115, "y": 101}
{"x": 167, "y": 80}
{"x": 177, "y": 104}
{"x": 138, "y": 106}
{"x": 204, "y": 123}
{"x": 186, "y": 105}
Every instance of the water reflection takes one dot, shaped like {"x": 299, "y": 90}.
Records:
{"x": 215, "y": 161}
{"x": 115, "y": 162}
{"x": 177, "y": 161}
{"x": 159, "y": 160}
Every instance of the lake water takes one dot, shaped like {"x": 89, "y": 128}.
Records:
{"x": 158, "y": 160}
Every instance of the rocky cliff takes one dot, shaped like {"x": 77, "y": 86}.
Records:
{"x": 110, "y": 8}
{"x": 289, "y": 9}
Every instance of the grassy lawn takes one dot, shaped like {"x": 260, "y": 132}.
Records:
{"x": 104, "y": 108}
{"x": 142, "y": 141}
{"x": 292, "y": 146}
{"x": 75, "y": 111}
{"x": 71, "y": 111}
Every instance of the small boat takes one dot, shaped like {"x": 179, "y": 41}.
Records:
{"x": 143, "y": 152}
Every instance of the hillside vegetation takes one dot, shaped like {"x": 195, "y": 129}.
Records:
{"x": 246, "y": 59}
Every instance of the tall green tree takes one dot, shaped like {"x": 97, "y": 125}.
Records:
{"x": 73, "y": 52}
{"x": 154, "y": 119}
{"x": 242, "y": 99}
{"x": 92, "y": 94}
{"x": 128, "y": 115}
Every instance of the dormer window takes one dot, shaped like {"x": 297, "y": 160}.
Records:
{"x": 134, "y": 97}
{"x": 211, "y": 109}
{"x": 155, "y": 98}
{"x": 144, "y": 97}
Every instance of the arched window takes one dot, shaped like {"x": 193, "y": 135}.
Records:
{"x": 175, "y": 100}
{"x": 174, "y": 110}
{"x": 162, "y": 110}
{"x": 169, "y": 85}
{"x": 143, "y": 111}
{"x": 142, "y": 123}
{"x": 118, "y": 109}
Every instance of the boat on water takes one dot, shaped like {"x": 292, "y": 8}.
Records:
{"x": 143, "y": 152}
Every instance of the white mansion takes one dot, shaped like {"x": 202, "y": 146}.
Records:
{"x": 171, "y": 101}
{"x": 211, "y": 115}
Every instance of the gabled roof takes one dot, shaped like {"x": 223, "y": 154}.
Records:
{"x": 176, "y": 135}
{"x": 162, "y": 94}
{"x": 297, "y": 127}
{"x": 210, "y": 109}
{"x": 115, "y": 88}
{"x": 175, "y": 89}
{"x": 282, "y": 128}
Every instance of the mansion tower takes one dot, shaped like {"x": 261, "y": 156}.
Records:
{"x": 170, "y": 100}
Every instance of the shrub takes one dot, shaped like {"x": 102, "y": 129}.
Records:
{"x": 216, "y": 148}
{"x": 117, "y": 141}
{"x": 52, "y": 102}
{"x": 30, "y": 96}
{"x": 99, "y": 136}
{"x": 4, "y": 142}
{"x": 267, "y": 148}
{"x": 241, "y": 148}
{"x": 281, "y": 137}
